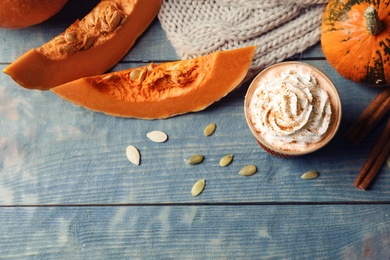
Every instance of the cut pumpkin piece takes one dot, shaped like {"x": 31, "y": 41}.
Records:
{"x": 24, "y": 13}
{"x": 88, "y": 47}
{"x": 158, "y": 91}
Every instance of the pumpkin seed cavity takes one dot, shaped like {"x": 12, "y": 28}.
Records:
{"x": 310, "y": 175}
{"x": 133, "y": 154}
{"x": 209, "y": 129}
{"x": 226, "y": 160}
{"x": 157, "y": 136}
{"x": 195, "y": 159}
{"x": 198, "y": 187}
{"x": 93, "y": 29}
{"x": 248, "y": 170}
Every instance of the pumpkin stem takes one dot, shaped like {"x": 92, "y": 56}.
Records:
{"x": 374, "y": 25}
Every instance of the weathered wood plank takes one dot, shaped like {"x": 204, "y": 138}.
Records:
{"x": 49, "y": 145}
{"x": 197, "y": 232}
{"x": 54, "y": 153}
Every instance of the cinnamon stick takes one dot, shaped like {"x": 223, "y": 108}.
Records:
{"x": 372, "y": 121}
{"x": 375, "y": 160}
{"x": 370, "y": 117}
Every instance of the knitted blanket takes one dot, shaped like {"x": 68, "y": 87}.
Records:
{"x": 279, "y": 28}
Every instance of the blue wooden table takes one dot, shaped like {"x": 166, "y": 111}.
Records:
{"x": 67, "y": 190}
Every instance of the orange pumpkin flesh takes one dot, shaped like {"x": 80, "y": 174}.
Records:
{"x": 88, "y": 47}
{"x": 350, "y": 47}
{"x": 24, "y": 13}
{"x": 163, "y": 90}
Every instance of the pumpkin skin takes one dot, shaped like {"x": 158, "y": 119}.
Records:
{"x": 24, "y": 13}
{"x": 348, "y": 45}
{"x": 163, "y": 90}
{"x": 88, "y": 47}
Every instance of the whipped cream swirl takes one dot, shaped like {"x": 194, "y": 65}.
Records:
{"x": 291, "y": 110}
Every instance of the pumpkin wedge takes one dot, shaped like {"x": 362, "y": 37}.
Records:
{"x": 158, "y": 91}
{"x": 24, "y": 13}
{"x": 89, "y": 46}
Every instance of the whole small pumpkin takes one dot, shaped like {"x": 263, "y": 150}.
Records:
{"x": 24, "y": 13}
{"x": 355, "y": 40}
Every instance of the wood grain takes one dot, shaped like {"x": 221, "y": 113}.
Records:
{"x": 197, "y": 232}
{"x": 50, "y": 144}
{"x": 67, "y": 189}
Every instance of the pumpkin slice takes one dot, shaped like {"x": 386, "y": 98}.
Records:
{"x": 88, "y": 47}
{"x": 24, "y": 13}
{"x": 162, "y": 90}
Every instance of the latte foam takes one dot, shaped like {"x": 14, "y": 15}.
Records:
{"x": 290, "y": 110}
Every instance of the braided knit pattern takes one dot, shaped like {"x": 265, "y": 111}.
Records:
{"x": 279, "y": 28}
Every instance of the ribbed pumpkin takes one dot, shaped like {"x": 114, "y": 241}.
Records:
{"x": 356, "y": 40}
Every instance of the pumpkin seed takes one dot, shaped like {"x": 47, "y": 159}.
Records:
{"x": 178, "y": 80}
{"x": 134, "y": 74}
{"x": 133, "y": 154}
{"x": 90, "y": 21}
{"x": 114, "y": 20}
{"x": 106, "y": 77}
{"x": 109, "y": 16}
{"x": 248, "y": 170}
{"x": 174, "y": 67}
{"x": 138, "y": 74}
{"x": 310, "y": 175}
{"x": 89, "y": 41}
{"x": 209, "y": 129}
{"x": 176, "y": 73}
{"x": 142, "y": 75}
{"x": 157, "y": 136}
{"x": 59, "y": 40}
{"x": 195, "y": 159}
{"x": 226, "y": 160}
{"x": 110, "y": 77}
{"x": 198, "y": 187}
{"x": 69, "y": 37}
{"x": 67, "y": 49}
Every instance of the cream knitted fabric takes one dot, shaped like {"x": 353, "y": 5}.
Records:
{"x": 279, "y": 28}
